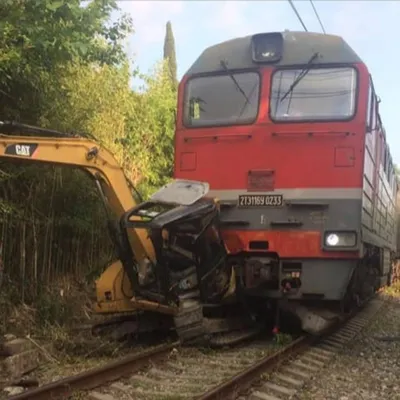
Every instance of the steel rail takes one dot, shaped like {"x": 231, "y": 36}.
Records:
{"x": 97, "y": 376}
{"x": 229, "y": 389}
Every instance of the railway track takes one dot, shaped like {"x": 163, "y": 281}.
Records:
{"x": 254, "y": 371}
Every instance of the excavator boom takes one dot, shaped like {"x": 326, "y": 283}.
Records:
{"x": 97, "y": 161}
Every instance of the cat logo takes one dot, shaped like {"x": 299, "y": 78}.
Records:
{"x": 23, "y": 150}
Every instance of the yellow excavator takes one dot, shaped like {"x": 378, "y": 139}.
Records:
{"x": 171, "y": 268}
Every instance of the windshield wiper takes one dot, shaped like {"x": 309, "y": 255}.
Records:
{"x": 229, "y": 72}
{"x": 302, "y": 74}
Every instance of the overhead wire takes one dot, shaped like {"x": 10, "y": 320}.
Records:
{"x": 298, "y": 15}
{"x": 300, "y": 19}
{"x": 317, "y": 15}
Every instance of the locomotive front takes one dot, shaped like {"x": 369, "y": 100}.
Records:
{"x": 279, "y": 125}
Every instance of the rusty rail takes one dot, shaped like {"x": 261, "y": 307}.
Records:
{"x": 96, "y": 376}
{"x": 229, "y": 389}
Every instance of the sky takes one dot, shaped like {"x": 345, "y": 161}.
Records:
{"x": 369, "y": 27}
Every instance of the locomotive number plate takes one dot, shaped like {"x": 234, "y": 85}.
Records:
{"x": 262, "y": 200}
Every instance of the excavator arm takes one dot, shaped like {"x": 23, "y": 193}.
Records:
{"x": 97, "y": 161}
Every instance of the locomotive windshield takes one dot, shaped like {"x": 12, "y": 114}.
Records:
{"x": 322, "y": 94}
{"x": 217, "y": 100}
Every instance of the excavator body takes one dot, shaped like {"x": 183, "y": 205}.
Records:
{"x": 171, "y": 258}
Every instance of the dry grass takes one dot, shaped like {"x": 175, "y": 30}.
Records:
{"x": 51, "y": 319}
{"x": 65, "y": 304}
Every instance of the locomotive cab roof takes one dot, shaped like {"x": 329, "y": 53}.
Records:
{"x": 281, "y": 49}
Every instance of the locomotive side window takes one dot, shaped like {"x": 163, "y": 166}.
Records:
{"x": 321, "y": 94}
{"x": 227, "y": 99}
{"x": 387, "y": 163}
{"x": 390, "y": 170}
{"x": 369, "y": 108}
{"x": 372, "y": 108}
{"x": 383, "y": 157}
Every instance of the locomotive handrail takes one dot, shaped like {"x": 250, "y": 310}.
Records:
{"x": 314, "y": 133}
{"x": 216, "y": 137}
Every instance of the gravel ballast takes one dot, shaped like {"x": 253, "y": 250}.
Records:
{"x": 366, "y": 369}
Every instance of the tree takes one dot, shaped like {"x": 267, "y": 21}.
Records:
{"x": 151, "y": 129}
{"x": 40, "y": 37}
{"x": 170, "y": 55}
{"x": 397, "y": 170}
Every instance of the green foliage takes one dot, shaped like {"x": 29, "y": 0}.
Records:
{"x": 93, "y": 99}
{"x": 62, "y": 66}
{"x": 151, "y": 129}
{"x": 51, "y": 309}
{"x": 282, "y": 339}
{"x": 49, "y": 32}
{"x": 137, "y": 127}
{"x": 39, "y": 37}
{"x": 170, "y": 54}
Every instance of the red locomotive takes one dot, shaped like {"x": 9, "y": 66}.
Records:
{"x": 285, "y": 128}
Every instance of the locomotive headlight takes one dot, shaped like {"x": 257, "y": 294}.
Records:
{"x": 267, "y": 47}
{"x": 332, "y": 239}
{"x": 340, "y": 239}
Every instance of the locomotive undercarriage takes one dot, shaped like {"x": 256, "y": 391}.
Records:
{"x": 264, "y": 287}
{"x": 245, "y": 313}
{"x": 277, "y": 282}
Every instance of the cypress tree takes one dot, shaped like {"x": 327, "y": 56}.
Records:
{"x": 169, "y": 53}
